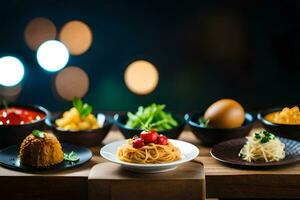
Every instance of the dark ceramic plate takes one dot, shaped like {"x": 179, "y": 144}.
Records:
{"x": 9, "y": 158}
{"x": 228, "y": 151}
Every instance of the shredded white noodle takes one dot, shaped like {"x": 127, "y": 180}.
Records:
{"x": 262, "y": 146}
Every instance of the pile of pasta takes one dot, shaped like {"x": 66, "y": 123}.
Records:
{"x": 263, "y": 146}
{"x": 71, "y": 120}
{"x": 150, "y": 153}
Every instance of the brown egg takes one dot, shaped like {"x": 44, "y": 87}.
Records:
{"x": 225, "y": 113}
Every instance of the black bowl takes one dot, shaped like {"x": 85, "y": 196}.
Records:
{"x": 121, "y": 119}
{"x": 211, "y": 136}
{"x": 14, "y": 134}
{"x": 283, "y": 130}
{"x": 85, "y": 138}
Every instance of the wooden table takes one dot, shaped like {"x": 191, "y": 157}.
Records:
{"x": 221, "y": 181}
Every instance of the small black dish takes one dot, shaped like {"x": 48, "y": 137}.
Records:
{"x": 14, "y": 134}
{"x": 85, "y": 138}
{"x": 228, "y": 151}
{"x": 121, "y": 119}
{"x": 210, "y": 136}
{"x": 291, "y": 131}
{"x": 9, "y": 158}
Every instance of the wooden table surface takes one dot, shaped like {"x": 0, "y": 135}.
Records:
{"x": 221, "y": 181}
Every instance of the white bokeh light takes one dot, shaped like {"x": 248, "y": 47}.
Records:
{"x": 52, "y": 55}
{"x": 11, "y": 71}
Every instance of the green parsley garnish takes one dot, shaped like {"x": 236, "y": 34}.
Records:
{"x": 72, "y": 157}
{"x": 39, "y": 134}
{"x": 203, "y": 122}
{"x": 264, "y": 136}
{"x": 257, "y": 136}
{"x": 84, "y": 109}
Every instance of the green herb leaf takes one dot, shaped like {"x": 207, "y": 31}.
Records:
{"x": 38, "y": 133}
{"x": 152, "y": 116}
{"x": 257, "y": 136}
{"x": 83, "y": 109}
{"x": 86, "y": 110}
{"x": 264, "y": 140}
{"x": 72, "y": 157}
{"x": 203, "y": 122}
{"x": 264, "y": 136}
{"x": 77, "y": 103}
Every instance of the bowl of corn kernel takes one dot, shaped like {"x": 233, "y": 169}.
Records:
{"x": 79, "y": 125}
{"x": 283, "y": 121}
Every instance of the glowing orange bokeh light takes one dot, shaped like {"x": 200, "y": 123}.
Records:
{"x": 141, "y": 77}
{"x": 77, "y": 36}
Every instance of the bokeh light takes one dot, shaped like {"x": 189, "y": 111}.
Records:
{"x": 11, "y": 71}
{"x": 52, "y": 55}
{"x": 77, "y": 36}
{"x": 141, "y": 77}
{"x": 38, "y": 31}
{"x": 71, "y": 82}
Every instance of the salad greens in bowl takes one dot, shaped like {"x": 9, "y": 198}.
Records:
{"x": 153, "y": 116}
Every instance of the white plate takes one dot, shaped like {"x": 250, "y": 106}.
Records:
{"x": 188, "y": 152}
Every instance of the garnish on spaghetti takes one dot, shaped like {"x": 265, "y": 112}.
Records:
{"x": 150, "y": 147}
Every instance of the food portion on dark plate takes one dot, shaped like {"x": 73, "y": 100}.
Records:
{"x": 260, "y": 149}
{"x": 42, "y": 151}
{"x": 17, "y": 120}
{"x": 79, "y": 125}
{"x": 152, "y": 116}
{"x": 283, "y": 121}
{"x": 223, "y": 120}
{"x": 263, "y": 146}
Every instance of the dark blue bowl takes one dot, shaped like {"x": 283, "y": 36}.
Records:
{"x": 211, "y": 136}
{"x": 121, "y": 119}
{"x": 85, "y": 138}
{"x": 15, "y": 134}
{"x": 290, "y": 131}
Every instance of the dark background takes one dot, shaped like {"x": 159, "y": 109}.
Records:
{"x": 204, "y": 51}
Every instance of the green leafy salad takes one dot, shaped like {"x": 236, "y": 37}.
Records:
{"x": 152, "y": 116}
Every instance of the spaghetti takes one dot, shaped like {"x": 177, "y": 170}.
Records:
{"x": 262, "y": 146}
{"x": 150, "y": 153}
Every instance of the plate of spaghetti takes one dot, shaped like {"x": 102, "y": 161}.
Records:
{"x": 149, "y": 153}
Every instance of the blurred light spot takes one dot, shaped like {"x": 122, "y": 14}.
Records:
{"x": 10, "y": 93}
{"x": 77, "y": 36}
{"x": 141, "y": 77}
{"x": 71, "y": 82}
{"x": 52, "y": 55}
{"x": 38, "y": 31}
{"x": 11, "y": 71}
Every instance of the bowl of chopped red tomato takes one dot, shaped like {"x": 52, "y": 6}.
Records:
{"x": 17, "y": 121}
